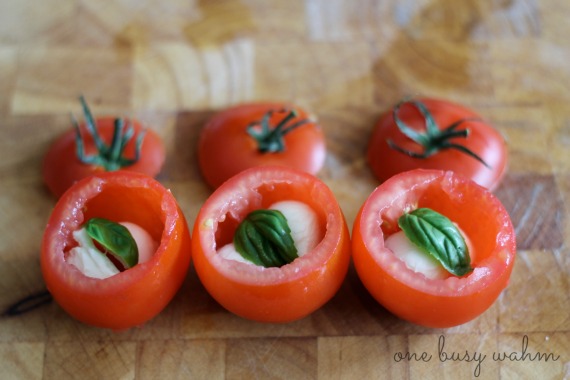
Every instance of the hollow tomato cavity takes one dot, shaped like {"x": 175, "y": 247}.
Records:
{"x": 263, "y": 197}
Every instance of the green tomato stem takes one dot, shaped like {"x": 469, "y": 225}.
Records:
{"x": 433, "y": 139}
{"x": 270, "y": 139}
{"x": 110, "y": 157}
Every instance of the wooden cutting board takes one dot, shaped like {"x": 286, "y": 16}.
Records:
{"x": 173, "y": 64}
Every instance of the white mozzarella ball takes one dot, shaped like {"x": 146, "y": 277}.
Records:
{"x": 413, "y": 257}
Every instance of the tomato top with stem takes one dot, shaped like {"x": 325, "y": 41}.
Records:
{"x": 249, "y": 135}
{"x": 101, "y": 144}
{"x": 437, "y": 134}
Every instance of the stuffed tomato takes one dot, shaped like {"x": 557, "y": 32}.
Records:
{"x": 264, "y": 286}
{"x": 116, "y": 249}
{"x": 460, "y": 274}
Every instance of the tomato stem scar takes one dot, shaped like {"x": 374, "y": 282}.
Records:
{"x": 110, "y": 157}
{"x": 434, "y": 139}
{"x": 270, "y": 140}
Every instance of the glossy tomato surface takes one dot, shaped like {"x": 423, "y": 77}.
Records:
{"x": 283, "y": 294}
{"x": 410, "y": 295}
{"x": 133, "y": 296}
{"x": 61, "y": 166}
{"x": 483, "y": 140}
{"x": 225, "y": 148}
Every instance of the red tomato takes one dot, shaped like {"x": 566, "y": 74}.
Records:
{"x": 62, "y": 167}
{"x": 278, "y": 294}
{"x": 226, "y": 148}
{"x": 410, "y": 295}
{"x": 386, "y": 148}
{"x": 136, "y": 295}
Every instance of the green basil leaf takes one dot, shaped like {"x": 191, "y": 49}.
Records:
{"x": 436, "y": 235}
{"x": 115, "y": 238}
{"x": 264, "y": 238}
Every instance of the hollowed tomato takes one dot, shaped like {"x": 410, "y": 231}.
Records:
{"x": 410, "y": 295}
{"x": 278, "y": 294}
{"x": 134, "y": 296}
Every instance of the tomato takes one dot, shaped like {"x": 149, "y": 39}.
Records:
{"x": 276, "y": 294}
{"x": 62, "y": 166}
{"x": 410, "y": 295}
{"x": 135, "y": 295}
{"x": 471, "y": 147}
{"x": 227, "y": 144}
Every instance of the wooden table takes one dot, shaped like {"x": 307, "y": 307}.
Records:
{"x": 172, "y": 64}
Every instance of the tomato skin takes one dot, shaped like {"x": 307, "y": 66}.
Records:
{"x": 136, "y": 295}
{"x": 412, "y": 296}
{"x": 483, "y": 140}
{"x": 225, "y": 148}
{"x": 61, "y": 167}
{"x": 270, "y": 294}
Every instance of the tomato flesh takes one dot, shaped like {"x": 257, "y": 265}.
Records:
{"x": 410, "y": 295}
{"x": 270, "y": 294}
{"x": 134, "y": 296}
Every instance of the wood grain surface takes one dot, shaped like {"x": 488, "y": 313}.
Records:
{"x": 174, "y": 63}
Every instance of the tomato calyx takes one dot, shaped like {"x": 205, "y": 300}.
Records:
{"x": 434, "y": 139}
{"x": 264, "y": 238}
{"x": 438, "y": 237}
{"x": 110, "y": 157}
{"x": 115, "y": 239}
{"x": 270, "y": 139}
